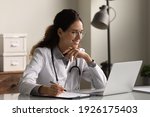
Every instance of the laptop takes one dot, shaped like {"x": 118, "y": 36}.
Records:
{"x": 122, "y": 79}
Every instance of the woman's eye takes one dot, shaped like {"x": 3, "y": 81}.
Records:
{"x": 81, "y": 32}
{"x": 73, "y": 32}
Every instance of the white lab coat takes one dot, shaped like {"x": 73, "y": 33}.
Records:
{"x": 40, "y": 71}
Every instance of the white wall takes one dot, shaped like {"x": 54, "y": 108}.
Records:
{"x": 132, "y": 25}
{"x": 30, "y": 16}
{"x": 85, "y": 14}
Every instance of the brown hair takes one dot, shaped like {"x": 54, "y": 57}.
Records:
{"x": 63, "y": 20}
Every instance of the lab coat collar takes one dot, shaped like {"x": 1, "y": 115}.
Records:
{"x": 59, "y": 54}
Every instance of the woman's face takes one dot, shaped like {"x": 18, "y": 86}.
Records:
{"x": 72, "y": 36}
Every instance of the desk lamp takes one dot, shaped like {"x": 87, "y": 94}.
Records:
{"x": 102, "y": 21}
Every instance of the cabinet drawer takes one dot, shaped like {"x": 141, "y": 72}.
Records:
{"x": 12, "y": 63}
{"x": 13, "y": 44}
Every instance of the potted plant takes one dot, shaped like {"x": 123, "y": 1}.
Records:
{"x": 145, "y": 73}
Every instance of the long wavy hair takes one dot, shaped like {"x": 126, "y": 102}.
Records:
{"x": 63, "y": 20}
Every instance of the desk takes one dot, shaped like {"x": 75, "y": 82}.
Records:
{"x": 125, "y": 96}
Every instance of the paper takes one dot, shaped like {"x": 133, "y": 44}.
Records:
{"x": 142, "y": 88}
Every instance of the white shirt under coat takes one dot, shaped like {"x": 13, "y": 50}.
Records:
{"x": 40, "y": 71}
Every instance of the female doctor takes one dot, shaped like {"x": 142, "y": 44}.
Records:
{"x": 58, "y": 63}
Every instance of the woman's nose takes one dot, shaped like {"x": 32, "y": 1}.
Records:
{"x": 79, "y": 35}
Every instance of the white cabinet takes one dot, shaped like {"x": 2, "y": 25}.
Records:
{"x": 13, "y": 52}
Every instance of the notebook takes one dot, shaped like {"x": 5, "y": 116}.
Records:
{"x": 68, "y": 95}
{"x": 72, "y": 95}
{"x": 122, "y": 78}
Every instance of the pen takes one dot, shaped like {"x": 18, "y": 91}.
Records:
{"x": 55, "y": 83}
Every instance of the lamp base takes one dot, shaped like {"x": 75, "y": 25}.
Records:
{"x": 106, "y": 67}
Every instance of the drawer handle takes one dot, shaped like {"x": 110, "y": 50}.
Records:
{"x": 14, "y": 63}
{"x": 14, "y": 45}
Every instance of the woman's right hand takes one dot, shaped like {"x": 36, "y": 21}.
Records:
{"x": 73, "y": 53}
{"x": 53, "y": 90}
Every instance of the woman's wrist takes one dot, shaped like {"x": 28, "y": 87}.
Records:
{"x": 87, "y": 58}
{"x": 90, "y": 61}
{"x": 43, "y": 90}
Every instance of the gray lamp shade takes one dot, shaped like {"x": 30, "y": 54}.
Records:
{"x": 101, "y": 18}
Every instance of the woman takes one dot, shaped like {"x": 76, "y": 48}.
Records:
{"x": 58, "y": 63}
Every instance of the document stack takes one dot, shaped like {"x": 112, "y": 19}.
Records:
{"x": 13, "y": 52}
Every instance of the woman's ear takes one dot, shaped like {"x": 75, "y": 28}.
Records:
{"x": 59, "y": 32}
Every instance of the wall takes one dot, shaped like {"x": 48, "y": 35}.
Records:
{"x": 85, "y": 14}
{"x": 148, "y": 32}
{"x": 30, "y": 16}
